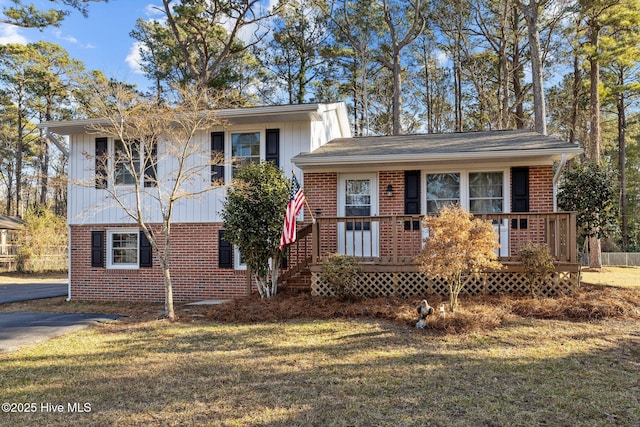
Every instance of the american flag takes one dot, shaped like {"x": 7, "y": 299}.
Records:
{"x": 296, "y": 202}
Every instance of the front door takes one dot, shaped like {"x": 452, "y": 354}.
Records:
{"x": 358, "y": 196}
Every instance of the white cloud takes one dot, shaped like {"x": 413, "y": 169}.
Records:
{"x": 11, "y": 34}
{"x": 133, "y": 58}
{"x": 153, "y": 10}
{"x": 61, "y": 36}
{"x": 442, "y": 57}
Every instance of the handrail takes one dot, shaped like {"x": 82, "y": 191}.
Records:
{"x": 298, "y": 254}
{"x": 397, "y": 239}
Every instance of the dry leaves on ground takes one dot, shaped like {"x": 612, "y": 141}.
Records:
{"x": 477, "y": 312}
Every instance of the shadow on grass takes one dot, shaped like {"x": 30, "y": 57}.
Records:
{"x": 333, "y": 373}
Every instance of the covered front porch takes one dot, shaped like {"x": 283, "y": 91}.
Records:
{"x": 387, "y": 246}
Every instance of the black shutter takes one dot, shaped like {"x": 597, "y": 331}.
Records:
{"x": 146, "y": 251}
{"x": 101, "y": 162}
{"x": 412, "y": 198}
{"x": 150, "y": 166}
{"x": 520, "y": 189}
{"x": 519, "y": 195}
{"x": 225, "y": 252}
{"x": 97, "y": 249}
{"x": 273, "y": 146}
{"x": 217, "y": 144}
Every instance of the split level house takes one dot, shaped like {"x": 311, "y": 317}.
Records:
{"x": 366, "y": 197}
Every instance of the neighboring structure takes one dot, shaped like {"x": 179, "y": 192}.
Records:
{"x": 368, "y": 194}
{"x": 10, "y": 226}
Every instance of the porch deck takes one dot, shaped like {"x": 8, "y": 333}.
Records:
{"x": 387, "y": 246}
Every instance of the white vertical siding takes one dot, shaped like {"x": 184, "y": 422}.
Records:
{"x": 88, "y": 205}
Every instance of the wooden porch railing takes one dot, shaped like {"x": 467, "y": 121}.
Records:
{"x": 397, "y": 239}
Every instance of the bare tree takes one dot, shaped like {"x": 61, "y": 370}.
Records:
{"x": 404, "y": 24}
{"x": 160, "y": 156}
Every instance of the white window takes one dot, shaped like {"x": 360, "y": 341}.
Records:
{"x": 127, "y": 162}
{"x": 443, "y": 189}
{"x": 238, "y": 261}
{"x": 478, "y": 192}
{"x": 123, "y": 249}
{"x": 245, "y": 148}
{"x": 485, "y": 192}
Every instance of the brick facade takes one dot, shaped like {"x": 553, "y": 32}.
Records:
{"x": 195, "y": 271}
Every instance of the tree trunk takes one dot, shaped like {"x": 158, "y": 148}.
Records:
{"x": 595, "y": 252}
{"x": 457, "y": 81}
{"x": 594, "y": 132}
{"x": 575, "y": 102}
{"x": 530, "y": 12}
{"x": 622, "y": 160}
{"x": 594, "y": 117}
{"x": 397, "y": 95}
{"x": 516, "y": 68}
{"x": 168, "y": 293}
{"x": 18, "y": 173}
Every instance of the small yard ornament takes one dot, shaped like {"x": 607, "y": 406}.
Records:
{"x": 424, "y": 309}
{"x": 443, "y": 313}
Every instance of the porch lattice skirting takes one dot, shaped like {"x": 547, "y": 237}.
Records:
{"x": 411, "y": 284}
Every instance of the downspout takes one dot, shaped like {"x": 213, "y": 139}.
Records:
{"x": 556, "y": 178}
{"x": 68, "y": 264}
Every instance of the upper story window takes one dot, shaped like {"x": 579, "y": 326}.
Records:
{"x": 121, "y": 163}
{"x": 245, "y": 148}
{"x": 127, "y": 161}
{"x": 241, "y": 148}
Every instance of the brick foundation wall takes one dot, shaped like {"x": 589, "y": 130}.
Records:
{"x": 194, "y": 270}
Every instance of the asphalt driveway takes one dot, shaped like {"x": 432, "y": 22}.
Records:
{"x": 29, "y": 291}
{"x": 18, "y": 329}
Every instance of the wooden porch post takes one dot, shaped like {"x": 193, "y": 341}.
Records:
{"x": 572, "y": 239}
{"x": 248, "y": 282}
{"x": 315, "y": 242}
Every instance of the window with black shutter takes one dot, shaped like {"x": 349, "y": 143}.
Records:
{"x": 272, "y": 153}
{"x": 146, "y": 251}
{"x": 225, "y": 251}
{"x": 97, "y": 248}
{"x": 519, "y": 194}
{"x": 101, "y": 162}
{"x": 412, "y": 198}
{"x": 217, "y": 149}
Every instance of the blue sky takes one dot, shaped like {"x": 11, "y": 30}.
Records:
{"x": 101, "y": 40}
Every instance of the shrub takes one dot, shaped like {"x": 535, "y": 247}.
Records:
{"x": 537, "y": 264}
{"x": 340, "y": 273}
{"x": 457, "y": 245}
{"x": 43, "y": 242}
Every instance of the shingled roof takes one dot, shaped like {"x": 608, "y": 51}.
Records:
{"x": 10, "y": 223}
{"x": 438, "y": 147}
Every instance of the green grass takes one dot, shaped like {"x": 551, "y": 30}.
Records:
{"x": 330, "y": 373}
{"x": 624, "y": 277}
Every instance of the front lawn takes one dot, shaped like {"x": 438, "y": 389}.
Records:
{"x": 330, "y": 373}
{"x": 523, "y": 362}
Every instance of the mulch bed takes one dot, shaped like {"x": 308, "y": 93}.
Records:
{"x": 476, "y": 312}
